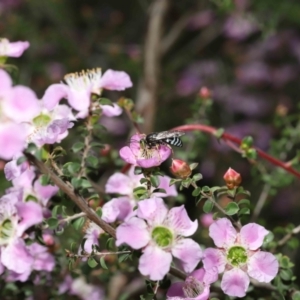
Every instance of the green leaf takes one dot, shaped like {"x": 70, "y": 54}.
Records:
{"x": 138, "y": 171}
{"x": 208, "y": 206}
{"x": 78, "y": 223}
{"x": 232, "y": 208}
{"x": 84, "y": 183}
{"x": 286, "y": 274}
{"x": 193, "y": 166}
{"x": 21, "y": 159}
{"x": 99, "y": 212}
{"x": 52, "y": 223}
{"x": 102, "y": 263}
{"x": 293, "y": 243}
{"x": 159, "y": 191}
{"x": 186, "y": 182}
{"x": 206, "y": 189}
{"x": 97, "y": 145}
{"x": 105, "y": 101}
{"x": 92, "y": 262}
{"x": 218, "y": 133}
{"x": 296, "y": 295}
{"x": 244, "y": 211}
{"x": 72, "y": 167}
{"x": 123, "y": 257}
{"x": 196, "y": 192}
{"x": 197, "y": 177}
{"x": 92, "y": 161}
{"x": 77, "y": 147}
{"x": 44, "y": 179}
{"x": 245, "y": 202}
{"x": 269, "y": 238}
{"x": 154, "y": 181}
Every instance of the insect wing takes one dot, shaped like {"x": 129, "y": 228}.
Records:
{"x": 166, "y": 134}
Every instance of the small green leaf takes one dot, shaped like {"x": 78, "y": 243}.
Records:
{"x": 186, "y": 182}
{"x": 102, "y": 263}
{"x": 193, "y": 166}
{"x": 73, "y": 167}
{"x": 269, "y": 237}
{"x": 52, "y": 223}
{"x": 159, "y": 191}
{"x": 78, "y": 223}
{"x": 138, "y": 171}
{"x": 99, "y": 212}
{"x": 197, "y": 177}
{"x": 245, "y": 202}
{"x": 244, "y": 211}
{"x": 123, "y": 257}
{"x": 206, "y": 189}
{"x": 232, "y": 208}
{"x": 44, "y": 179}
{"x": 286, "y": 274}
{"x": 196, "y": 192}
{"x": 92, "y": 262}
{"x": 77, "y": 147}
{"x": 21, "y": 159}
{"x": 218, "y": 133}
{"x": 92, "y": 161}
{"x": 296, "y": 295}
{"x": 208, "y": 206}
{"x": 154, "y": 181}
{"x": 105, "y": 101}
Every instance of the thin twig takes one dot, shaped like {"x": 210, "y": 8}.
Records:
{"x": 85, "y": 255}
{"x": 70, "y": 218}
{"x": 261, "y": 201}
{"x": 77, "y": 199}
{"x": 287, "y": 237}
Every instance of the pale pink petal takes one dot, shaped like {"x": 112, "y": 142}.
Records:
{"x": 119, "y": 183}
{"x": 164, "y": 183}
{"x": 16, "y": 257}
{"x": 235, "y": 283}
{"x": 44, "y": 192}
{"x": 175, "y": 290}
{"x": 158, "y": 156}
{"x": 188, "y": 252}
{"x": 153, "y": 210}
{"x": 111, "y": 111}
{"x": 222, "y": 232}
{"x": 22, "y": 106}
{"x": 43, "y": 260}
{"x": 127, "y": 155}
{"x": 13, "y": 276}
{"x": 155, "y": 263}
{"x": 207, "y": 276}
{"x": 214, "y": 258}
{"x": 16, "y": 49}
{"x": 134, "y": 233}
{"x": 117, "y": 209}
{"x": 53, "y": 94}
{"x": 180, "y": 222}
{"x": 31, "y": 213}
{"x": 79, "y": 99}
{"x": 5, "y": 82}
{"x": 263, "y": 266}
{"x": 252, "y": 235}
{"x": 11, "y": 144}
{"x": 115, "y": 80}
{"x": 12, "y": 170}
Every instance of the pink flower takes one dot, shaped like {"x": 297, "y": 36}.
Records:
{"x": 238, "y": 256}
{"x": 160, "y": 234}
{"x": 121, "y": 208}
{"x": 206, "y": 219}
{"x": 14, "y": 49}
{"x": 196, "y": 286}
{"x": 115, "y": 80}
{"x": 138, "y": 154}
{"x": 80, "y": 86}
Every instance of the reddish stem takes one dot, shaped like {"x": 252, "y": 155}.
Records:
{"x": 228, "y": 137}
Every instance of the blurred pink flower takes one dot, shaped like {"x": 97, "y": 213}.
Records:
{"x": 12, "y": 49}
{"x": 206, "y": 219}
{"x": 196, "y": 286}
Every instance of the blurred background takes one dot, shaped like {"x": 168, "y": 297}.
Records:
{"x": 230, "y": 64}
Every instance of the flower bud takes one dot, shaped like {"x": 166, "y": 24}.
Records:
{"x": 205, "y": 93}
{"x": 180, "y": 169}
{"x": 106, "y": 150}
{"x": 232, "y": 178}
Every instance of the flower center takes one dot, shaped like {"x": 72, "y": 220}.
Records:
{"x": 162, "y": 236}
{"x": 237, "y": 256}
{"x": 192, "y": 288}
{"x": 41, "y": 120}
{"x": 6, "y": 230}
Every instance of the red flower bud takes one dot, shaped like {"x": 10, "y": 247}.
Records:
{"x": 232, "y": 178}
{"x": 180, "y": 169}
{"x": 205, "y": 93}
{"x": 106, "y": 150}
